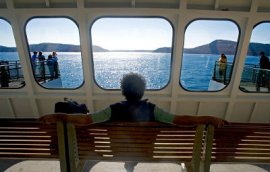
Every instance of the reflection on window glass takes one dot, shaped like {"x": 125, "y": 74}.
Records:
{"x": 256, "y": 71}
{"x": 208, "y": 55}
{"x": 55, "y": 52}
{"x": 140, "y": 45}
{"x": 11, "y": 75}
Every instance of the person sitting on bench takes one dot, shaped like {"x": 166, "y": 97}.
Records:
{"x": 133, "y": 109}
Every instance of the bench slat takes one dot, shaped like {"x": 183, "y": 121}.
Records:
{"x": 241, "y": 142}
{"x": 125, "y": 141}
{"x": 27, "y": 138}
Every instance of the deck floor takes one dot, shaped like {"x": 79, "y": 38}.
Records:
{"x": 93, "y": 166}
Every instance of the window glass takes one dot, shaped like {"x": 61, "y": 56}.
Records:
{"x": 203, "y": 68}
{"x": 58, "y": 61}
{"x": 256, "y": 73}
{"x": 11, "y": 75}
{"x": 123, "y": 45}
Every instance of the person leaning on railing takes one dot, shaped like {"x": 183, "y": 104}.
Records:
{"x": 133, "y": 109}
{"x": 262, "y": 78}
{"x": 222, "y": 66}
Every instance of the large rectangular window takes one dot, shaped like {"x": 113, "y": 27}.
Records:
{"x": 55, "y": 52}
{"x": 132, "y": 44}
{"x": 11, "y": 75}
{"x": 208, "y": 55}
{"x": 256, "y": 72}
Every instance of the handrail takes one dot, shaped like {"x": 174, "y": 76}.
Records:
{"x": 222, "y": 75}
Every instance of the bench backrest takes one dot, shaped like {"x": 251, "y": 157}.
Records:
{"x": 30, "y": 139}
{"x": 146, "y": 141}
{"x": 240, "y": 142}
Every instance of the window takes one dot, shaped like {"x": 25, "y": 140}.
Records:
{"x": 58, "y": 62}
{"x": 256, "y": 73}
{"x": 131, "y": 44}
{"x": 11, "y": 75}
{"x": 205, "y": 41}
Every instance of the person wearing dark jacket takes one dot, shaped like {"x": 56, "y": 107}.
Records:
{"x": 262, "y": 77}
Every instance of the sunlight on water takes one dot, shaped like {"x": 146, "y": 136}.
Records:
{"x": 110, "y": 67}
{"x": 196, "y": 69}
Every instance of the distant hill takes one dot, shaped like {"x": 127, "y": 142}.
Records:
{"x": 256, "y": 48}
{"x": 215, "y": 47}
{"x": 163, "y": 50}
{"x": 48, "y": 47}
{"x": 7, "y": 49}
{"x": 99, "y": 49}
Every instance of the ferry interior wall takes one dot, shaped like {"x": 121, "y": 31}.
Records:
{"x": 84, "y": 47}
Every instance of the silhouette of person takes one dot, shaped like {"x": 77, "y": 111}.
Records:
{"x": 41, "y": 59}
{"x": 55, "y": 65}
{"x": 262, "y": 77}
{"x": 50, "y": 64}
{"x": 34, "y": 58}
{"x": 222, "y": 65}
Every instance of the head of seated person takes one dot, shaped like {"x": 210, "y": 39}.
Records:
{"x": 133, "y": 86}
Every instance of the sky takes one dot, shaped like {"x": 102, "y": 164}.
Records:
{"x": 200, "y": 32}
{"x": 129, "y": 33}
{"x": 132, "y": 33}
{"x": 6, "y": 34}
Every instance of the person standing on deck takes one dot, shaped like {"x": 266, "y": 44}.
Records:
{"x": 263, "y": 76}
{"x": 55, "y": 66}
{"x": 50, "y": 64}
{"x": 41, "y": 59}
{"x": 33, "y": 61}
{"x": 222, "y": 66}
{"x": 133, "y": 109}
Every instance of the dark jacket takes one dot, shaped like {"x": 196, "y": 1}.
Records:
{"x": 132, "y": 111}
{"x": 264, "y": 62}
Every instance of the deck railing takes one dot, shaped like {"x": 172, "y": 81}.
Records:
{"x": 223, "y": 76}
{"x": 252, "y": 76}
{"x": 44, "y": 72}
{"x": 12, "y": 75}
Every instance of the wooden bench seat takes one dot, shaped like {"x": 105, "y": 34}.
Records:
{"x": 137, "y": 142}
{"x": 30, "y": 139}
{"x": 239, "y": 142}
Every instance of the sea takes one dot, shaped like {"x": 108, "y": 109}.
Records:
{"x": 196, "y": 70}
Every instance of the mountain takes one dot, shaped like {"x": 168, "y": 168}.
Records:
{"x": 255, "y": 49}
{"x": 163, "y": 50}
{"x": 99, "y": 49}
{"x": 7, "y": 49}
{"x": 215, "y": 47}
{"x": 48, "y": 47}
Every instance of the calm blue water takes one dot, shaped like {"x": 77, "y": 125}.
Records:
{"x": 155, "y": 67}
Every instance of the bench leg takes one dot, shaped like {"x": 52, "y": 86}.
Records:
{"x": 197, "y": 149}
{"x": 129, "y": 166}
{"x": 75, "y": 164}
{"x": 62, "y": 147}
{"x": 208, "y": 148}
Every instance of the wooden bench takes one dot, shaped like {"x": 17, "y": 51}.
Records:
{"x": 30, "y": 139}
{"x": 238, "y": 142}
{"x": 136, "y": 142}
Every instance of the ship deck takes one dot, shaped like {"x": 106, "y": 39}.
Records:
{"x": 94, "y": 166}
